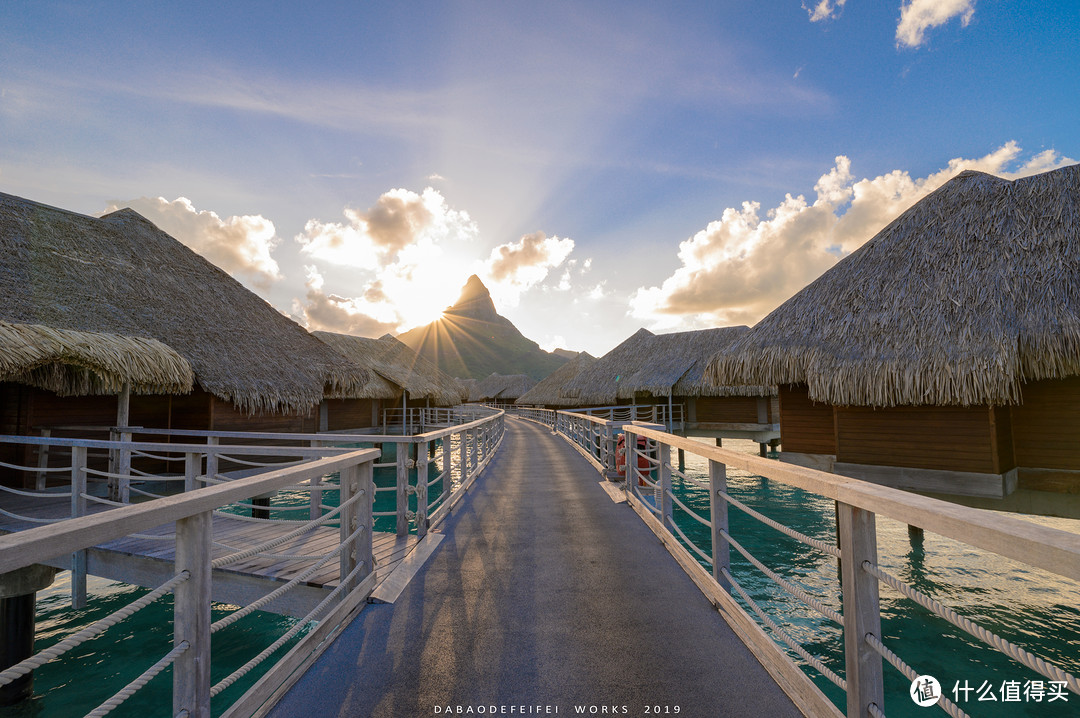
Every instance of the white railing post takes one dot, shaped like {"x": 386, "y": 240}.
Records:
{"x": 718, "y": 517}
{"x": 124, "y": 469}
{"x": 463, "y": 456}
{"x": 630, "y": 461}
{"x": 349, "y": 481}
{"x": 78, "y": 508}
{"x": 446, "y": 462}
{"x": 472, "y": 449}
{"x": 862, "y": 615}
{"x": 664, "y": 477}
{"x": 421, "y": 489}
{"x": 365, "y": 482}
{"x": 192, "y": 464}
{"x": 42, "y": 461}
{"x": 314, "y": 494}
{"x": 211, "y": 460}
{"x": 191, "y": 617}
{"x": 401, "y": 451}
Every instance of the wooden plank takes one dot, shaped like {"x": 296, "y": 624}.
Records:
{"x": 398, "y": 579}
{"x": 614, "y": 491}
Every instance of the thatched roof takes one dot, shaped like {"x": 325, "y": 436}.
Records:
{"x": 960, "y": 300}
{"x": 119, "y": 274}
{"x": 398, "y": 366}
{"x": 658, "y": 364}
{"x": 70, "y": 363}
{"x": 548, "y": 392}
{"x": 501, "y": 387}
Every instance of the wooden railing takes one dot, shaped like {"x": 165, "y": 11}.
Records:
{"x": 191, "y": 583}
{"x": 205, "y": 486}
{"x": 858, "y": 504}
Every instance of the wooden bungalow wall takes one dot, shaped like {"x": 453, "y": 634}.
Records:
{"x": 344, "y": 414}
{"x": 806, "y": 427}
{"x": 730, "y": 410}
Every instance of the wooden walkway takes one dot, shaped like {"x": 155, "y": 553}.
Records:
{"x": 545, "y": 597}
{"x": 148, "y": 562}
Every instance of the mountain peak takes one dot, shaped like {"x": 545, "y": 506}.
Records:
{"x": 475, "y": 301}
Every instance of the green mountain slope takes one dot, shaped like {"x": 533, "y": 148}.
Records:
{"x": 473, "y": 340}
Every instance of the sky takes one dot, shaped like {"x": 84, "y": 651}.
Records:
{"x": 602, "y": 166}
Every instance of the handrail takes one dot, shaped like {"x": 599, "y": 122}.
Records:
{"x": 1042, "y": 546}
{"x": 649, "y": 492}
{"x": 38, "y": 545}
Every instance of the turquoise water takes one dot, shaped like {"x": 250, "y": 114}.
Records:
{"x": 87, "y": 676}
{"x": 1032, "y": 608}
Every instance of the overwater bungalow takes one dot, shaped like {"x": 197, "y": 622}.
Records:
{"x": 548, "y": 392}
{"x": 667, "y": 371}
{"x": 501, "y": 388}
{"x": 942, "y": 356}
{"x": 403, "y": 379}
{"x": 94, "y": 305}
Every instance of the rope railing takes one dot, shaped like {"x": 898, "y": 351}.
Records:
{"x": 1013, "y": 651}
{"x": 31, "y": 519}
{"x": 468, "y": 447}
{"x": 791, "y": 643}
{"x": 796, "y": 591}
{"x": 95, "y": 629}
{"x": 36, "y": 469}
{"x": 132, "y": 688}
{"x": 37, "y": 494}
{"x": 659, "y": 498}
{"x": 910, "y": 673}
{"x": 828, "y": 548}
{"x": 273, "y": 647}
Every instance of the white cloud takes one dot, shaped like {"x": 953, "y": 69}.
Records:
{"x": 744, "y": 264}
{"x": 553, "y": 343}
{"x": 824, "y": 10}
{"x": 918, "y": 16}
{"x": 388, "y": 231}
{"x": 362, "y": 316}
{"x": 514, "y": 267}
{"x": 240, "y": 245}
{"x": 401, "y": 274}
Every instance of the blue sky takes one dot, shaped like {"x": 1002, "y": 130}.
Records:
{"x": 603, "y": 166}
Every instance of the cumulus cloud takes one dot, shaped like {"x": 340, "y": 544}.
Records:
{"x": 330, "y": 312}
{"x": 744, "y": 264}
{"x": 516, "y": 266}
{"x": 399, "y": 220}
{"x": 824, "y": 10}
{"x": 402, "y": 276}
{"x": 918, "y": 16}
{"x": 240, "y": 245}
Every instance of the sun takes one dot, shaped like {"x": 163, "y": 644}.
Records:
{"x": 427, "y": 293}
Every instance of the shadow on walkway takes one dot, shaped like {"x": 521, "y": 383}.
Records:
{"x": 544, "y": 596}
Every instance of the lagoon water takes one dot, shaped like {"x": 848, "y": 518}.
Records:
{"x": 1035, "y": 609}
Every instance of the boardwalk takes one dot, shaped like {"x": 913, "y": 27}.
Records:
{"x": 543, "y": 593}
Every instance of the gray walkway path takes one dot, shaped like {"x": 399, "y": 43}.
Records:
{"x": 544, "y": 593}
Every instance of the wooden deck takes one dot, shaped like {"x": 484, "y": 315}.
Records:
{"x": 148, "y": 562}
